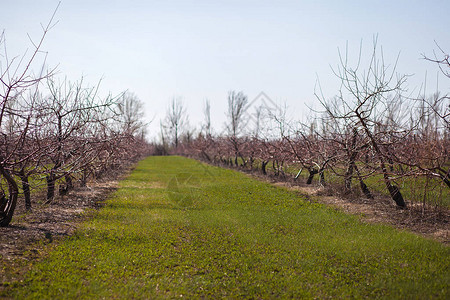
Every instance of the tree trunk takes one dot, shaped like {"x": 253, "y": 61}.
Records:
{"x": 26, "y": 189}
{"x": 3, "y": 202}
{"x": 244, "y": 161}
{"x": 263, "y": 166}
{"x": 276, "y": 167}
{"x": 365, "y": 189}
{"x": 362, "y": 185}
{"x": 84, "y": 177}
{"x": 312, "y": 172}
{"x": 394, "y": 191}
{"x": 69, "y": 182}
{"x": 322, "y": 172}
{"x": 396, "y": 195}
{"x": 322, "y": 177}
{"x": 351, "y": 162}
{"x": 51, "y": 179}
{"x": 205, "y": 155}
{"x": 348, "y": 177}
{"x": 64, "y": 189}
{"x": 8, "y": 205}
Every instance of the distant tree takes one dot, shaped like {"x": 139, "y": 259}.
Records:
{"x": 237, "y": 106}
{"x": 207, "y": 116}
{"x": 130, "y": 112}
{"x": 175, "y": 121}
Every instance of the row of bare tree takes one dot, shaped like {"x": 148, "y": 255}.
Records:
{"x": 369, "y": 129}
{"x": 55, "y": 133}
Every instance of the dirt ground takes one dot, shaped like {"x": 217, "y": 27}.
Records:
{"x": 24, "y": 239}
{"x": 49, "y": 221}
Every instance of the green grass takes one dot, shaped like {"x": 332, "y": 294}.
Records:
{"x": 178, "y": 228}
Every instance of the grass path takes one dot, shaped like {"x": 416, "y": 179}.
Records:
{"x": 177, "y": 228}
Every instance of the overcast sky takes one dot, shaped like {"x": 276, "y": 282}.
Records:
{"x": 203, "y": 49}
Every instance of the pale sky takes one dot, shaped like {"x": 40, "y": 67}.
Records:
{"x": 203, "y": 49}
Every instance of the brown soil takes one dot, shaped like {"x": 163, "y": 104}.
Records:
{"x": 48, "y": 221}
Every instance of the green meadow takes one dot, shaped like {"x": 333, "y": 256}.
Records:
{"x": 179, "y": 228}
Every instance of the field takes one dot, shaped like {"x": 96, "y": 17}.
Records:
{"x": 179, "y": 228}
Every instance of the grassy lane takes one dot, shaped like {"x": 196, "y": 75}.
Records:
{"x": 179, "y": 228}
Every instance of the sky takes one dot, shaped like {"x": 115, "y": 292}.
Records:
{"x": 197, "y": 50}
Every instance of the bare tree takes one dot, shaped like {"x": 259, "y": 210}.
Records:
{"x": 70, "y": 131}
{"x": 362, "y": 100}
{"x": 207, "y": 116}
{"x": 237, "y": 106}
{"x": 443, "y": 61}
{"x": 72, "y": 112}
{"x": 425, "y": 151}
{"x": 24, "y": 119}
{"x": 131, "y": 114}
{"x": 16, "y": 77}
{"x": 176, "y": 119}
